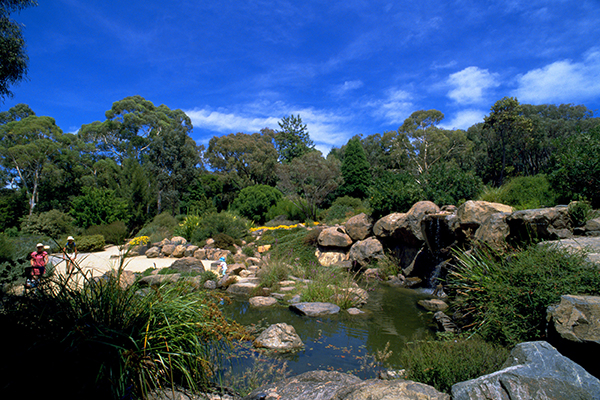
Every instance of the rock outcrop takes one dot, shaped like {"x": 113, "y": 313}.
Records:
{"x": 315, "y": 309}
{"x": 331, "y": 385}
{"x": 534, "y": 370}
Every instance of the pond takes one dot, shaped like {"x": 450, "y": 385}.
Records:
{"x": 343, "y": 342}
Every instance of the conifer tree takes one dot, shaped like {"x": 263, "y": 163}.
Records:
{"x": 355, "y": 170}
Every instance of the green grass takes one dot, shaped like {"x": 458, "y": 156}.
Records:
{"x": 441, "y": 363}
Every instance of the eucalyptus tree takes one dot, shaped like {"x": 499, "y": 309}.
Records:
{"x": 27, "y": 147}
{"x": 247, "y": 159}
{"x": 13, "y": 67}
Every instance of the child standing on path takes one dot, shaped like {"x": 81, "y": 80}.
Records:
{"x": 39, "y": 259}
{"x": 70, "y": 252}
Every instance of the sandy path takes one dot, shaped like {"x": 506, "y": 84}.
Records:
{"x": 100, "y": 262}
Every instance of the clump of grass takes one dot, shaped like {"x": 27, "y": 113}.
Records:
{"x": 332, "y": 285}
{"x": 504, "y": 298}
{"x": 441, "y": 364}
{"x": 272, "y": 273}
{"x": 111, "y": 341}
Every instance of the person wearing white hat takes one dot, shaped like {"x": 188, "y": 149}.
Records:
{"x": 39, "y": 259}
{"x": 70, "y": 254}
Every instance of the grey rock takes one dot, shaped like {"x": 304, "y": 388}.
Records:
{"x": 433, "y": 305}
{"x": 188, "y": 264}
{"x": 588, "y": 245}
{"x": 244, "y": 286}
{"x": 210, "y": 285}
{"x": 177, "y": 240}
{"x": 543, "y": 223}
{"x": 262, "y": 301}
{"x": 168, "y": 249}
{"x": 329, "y": 256}
{"x": 282, "y": 337}
{"x": 179, "y": 251}
{"x": 359, "y": 227}
{"x": 315, "y": 309}
{"x": 334, "y": 237}
{"x": 153, "y": 252}
{"x": 331, "y": 385}
{"x": 190, "y": 250}
{"x": 365, "y": 251}
{"x": 354, "y": 311}
{"x": 493, "y": 231}
{"x": 472, "y": 214}
{"x": 157, "y": 280}
{"x": 576, "y": 318}
{"x": 444, "y": 322}
{"x": 534, "y": 370}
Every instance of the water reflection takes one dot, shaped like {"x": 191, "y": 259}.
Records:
{"x": 344, "y": 342}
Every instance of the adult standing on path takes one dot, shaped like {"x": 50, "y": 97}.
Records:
{"x": 70, "y": 252}
{"x": 39, "y": 259}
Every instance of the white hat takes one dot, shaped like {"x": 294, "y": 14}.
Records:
{"x": 70, "y": 238}
{"x": 40, "y": 245}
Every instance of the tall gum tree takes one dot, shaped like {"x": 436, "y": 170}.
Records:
{"x": 26, "y": 147}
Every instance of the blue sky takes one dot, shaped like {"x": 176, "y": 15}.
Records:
{"x": 347, "y": 67}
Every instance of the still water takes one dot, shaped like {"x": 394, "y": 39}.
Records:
{"x": 343, "y": 342}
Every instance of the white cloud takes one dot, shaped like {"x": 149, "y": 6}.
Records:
{"x": 464, "y": 119}
{"x": 471, "y": 84}
{"x": 562, "y": 81}
{"x": 227, "y": 122}
{"x": 395, "y": 108}
{"x": 326, "y": 128}
{"x": 347, "y": 87}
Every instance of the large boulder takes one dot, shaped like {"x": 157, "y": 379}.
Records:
{"x": 493, "y": 231}
{"x": 472, "y": 214}
{"x": 188, "y": 264}
{"x": 405, "y": 228}
{"x": 576, "y": 318}
{"x": 587, "y": 245}
{"x": 315, "y": 309}
{"x": 158, "y": 280}
{"x": 542, "y": 223}
{"x": 534, "y": 370}
{"x": 179, "y": 251}
{"x": 168, "y": 249}
{"x": 281, "y": 337}
{"x": 365, "y": 251}
{"x": 328, "y": 257}
{"x": 177, "y": 240}
{"x": 334, "y": 237}
{"x": 332, "y": 385}
{"x": 262, "y": 301}
{"x": 359, "y": 227}
{"x": 244, "y": 286}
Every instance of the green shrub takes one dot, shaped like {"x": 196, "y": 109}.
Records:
{"x": 88, "y": 244}
{"x": 208, "y": 276}
{"x": 162, "y": 226}
{"x": 187, "y": 227}
{"x": 449, "y": 184}
{"x": 114, "y": 233}
{"x": 248, "y": 251}
{"x": 98, "y": 206}
{"x": 52, "y": 223}
{"x": 524, "y": 192}
{"x": 393, "y": 192}
{"x": 254, "y": 202}
{"x": 580, "y": 212}
{"x": 441, "y": 364}
{"x": 225, "y": 242}
{"x": 223, "y": 222}
{"x": 505, "y": 297}
{"x": 284, "y": 210}
{"x": 344, "y": 208}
